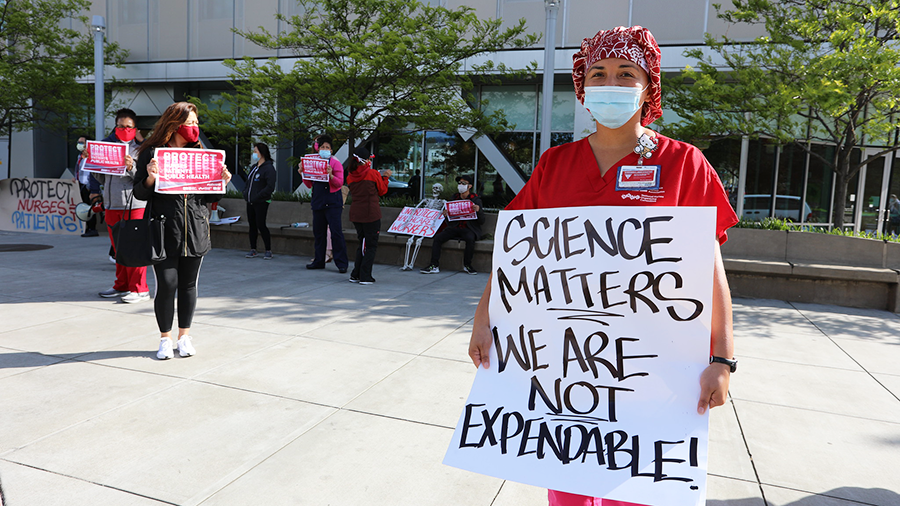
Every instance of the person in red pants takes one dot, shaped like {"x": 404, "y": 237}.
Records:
{"x": 131, "y": 282}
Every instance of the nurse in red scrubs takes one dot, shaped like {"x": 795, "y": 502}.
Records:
{"x": 617, "y": 77}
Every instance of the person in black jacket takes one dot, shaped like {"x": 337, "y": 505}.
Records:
{"x": 467, "y": 230}
{"x": 258, "y": 195}
{"x": 186, "y": 235}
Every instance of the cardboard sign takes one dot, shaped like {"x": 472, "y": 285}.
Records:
{"x": 186, "y": 170}
{"x": 600, "y": 319}
{"x": 45, "y": 206}
{"x": 315, "y": 168}
{"x": 458, "y": 210}
{"x": 105, "y": 158}
{"x": 418, "y": 222}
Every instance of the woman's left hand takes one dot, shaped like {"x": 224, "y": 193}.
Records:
{"x": 226, "y": 176}
{"x": 129, "y": 162}
{"x": 713, "y": 387}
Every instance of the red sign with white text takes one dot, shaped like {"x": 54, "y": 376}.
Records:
{"x": 187, "y": 170}
{"x": 458, "y": 210}
{"x": 105, "y": 158}
{"x": 315, "y": 168}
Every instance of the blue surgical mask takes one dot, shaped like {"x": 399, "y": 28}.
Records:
{"x": 612, "y": 106}
{"x": 254, "y": 158}
{"x": 324, "y": 153}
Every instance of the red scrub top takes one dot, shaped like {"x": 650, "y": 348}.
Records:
{"x": 568, "y": 176}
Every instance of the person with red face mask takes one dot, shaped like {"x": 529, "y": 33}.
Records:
{"x": 131, "y": 282}
{"x": 186, "y": 234}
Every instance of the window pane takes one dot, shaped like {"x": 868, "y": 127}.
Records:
{"x": 562, "y": 118}
{"x": 818, "y": 185}
{"x": 519, "y": 148}
{"x": 518, "y": 103}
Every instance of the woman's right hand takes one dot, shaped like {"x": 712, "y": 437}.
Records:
{"x": 152, "y": 172}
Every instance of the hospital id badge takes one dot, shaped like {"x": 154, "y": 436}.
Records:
{"x": 637, "y": 177}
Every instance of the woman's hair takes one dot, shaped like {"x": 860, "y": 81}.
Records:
{"x": 263, "y": 151}
{"x": 173, "y": 117}
{"x": 354, "y": 163}
{"x": 322, "y": 139}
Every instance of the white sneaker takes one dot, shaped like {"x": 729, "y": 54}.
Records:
{"x": 112, "y": 292}
{"x": 165, "y": 349}
{"x": 133, "y": 297}
{"x": 185, "y": 348}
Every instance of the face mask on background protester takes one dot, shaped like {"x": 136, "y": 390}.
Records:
{"x": 125, "y": 134}
{"x": 80, "y": 146}
{"x": 462, "y": 188}
{"x": 254, "y": 159}
{"x": 612, "y": 106}
{"x": 324, "y": 153}
{"x": 190, "y": 133}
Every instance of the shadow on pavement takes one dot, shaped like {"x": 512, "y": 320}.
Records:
{"x": 25, "y": 360}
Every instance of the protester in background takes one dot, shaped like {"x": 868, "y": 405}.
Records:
{"x": 131, "y": 282}
{"x": 893, "y": 215}
{"x": 186, "y": 227}
{"x": 366, "y": 185}
{"x": 90, "y": 226}
{"x": 327, "y": 205}
{"x": 467, "y": 230}
{"x": 414, "y": 185}
{"x": 612, "y": 64}
{"x": 258, "y": 195}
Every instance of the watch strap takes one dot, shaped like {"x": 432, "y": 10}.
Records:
{"x": 730, "y": 363}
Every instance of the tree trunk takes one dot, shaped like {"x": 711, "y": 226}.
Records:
{"x": 842, "y": 171}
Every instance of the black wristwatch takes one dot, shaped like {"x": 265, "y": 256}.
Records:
{"x": 729, "y": 363}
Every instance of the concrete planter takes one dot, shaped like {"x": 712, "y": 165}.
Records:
{"x": 810, "y": 248}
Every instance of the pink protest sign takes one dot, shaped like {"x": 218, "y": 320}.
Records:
{"x": 106, "y": 158}
{"x": 314, "y": 168}
{"x": 460, "y": 210}
{"x": 185, "y": 170}
{"x": 417, "y": 221}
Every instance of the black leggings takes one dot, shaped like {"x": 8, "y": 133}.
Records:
{"x": 256, "y": 218}
{"x": 179, "y": 274}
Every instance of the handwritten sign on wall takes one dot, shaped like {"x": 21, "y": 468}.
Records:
{"x": 39, "y": 205}
{"x": 600, "y": 319}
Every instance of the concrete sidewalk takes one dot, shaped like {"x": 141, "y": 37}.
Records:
{"x": 307, "y": 389}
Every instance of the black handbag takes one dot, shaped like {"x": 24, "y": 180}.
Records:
{"x": 139, "y": 242}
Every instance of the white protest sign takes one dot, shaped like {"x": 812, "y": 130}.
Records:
{"x": 601, "y": 325}
{"x": 417, "y": 221}
{"x": 45, "y": 206}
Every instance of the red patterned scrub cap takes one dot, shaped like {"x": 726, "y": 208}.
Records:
{"x": 635, "y": 44}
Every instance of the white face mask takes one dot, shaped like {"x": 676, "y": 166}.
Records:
{"x": 462, "y": 188}
{"x": 612, "y": 106}
{"x": 80, "y": 146}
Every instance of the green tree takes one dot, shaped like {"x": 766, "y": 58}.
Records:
{"x": 825, "y": 71}
{"x": 41, "y": 62}
{"x": 365, "y": 66}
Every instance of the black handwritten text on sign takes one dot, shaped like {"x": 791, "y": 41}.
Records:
{"x": 600, "y": 319}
